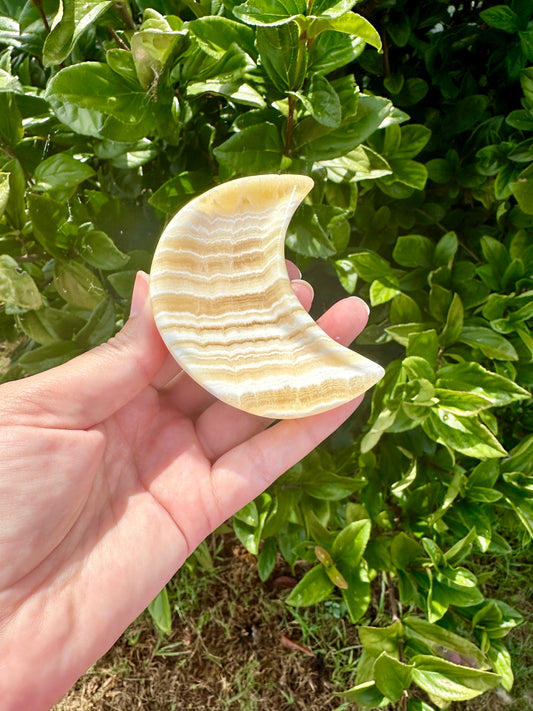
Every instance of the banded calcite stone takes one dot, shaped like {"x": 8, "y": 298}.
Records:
{"x": 225, "y": 308}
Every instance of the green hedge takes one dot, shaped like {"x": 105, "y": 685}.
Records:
{"x": 416, "y": 122}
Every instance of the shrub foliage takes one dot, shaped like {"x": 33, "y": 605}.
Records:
{"x": 416, "y": 122}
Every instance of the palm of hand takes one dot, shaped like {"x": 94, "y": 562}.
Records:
{"x": 111, "y": 477}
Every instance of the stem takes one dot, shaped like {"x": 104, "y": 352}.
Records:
{"x": 117, "y": 39}
{"x": 39, "y": 5}
{"x": 290, "y": 125}
{"x": 124, "y": 11}
{"x": 392, "y": 599}
{"x": 468, "y": 251}
{"x": 438, "y": 224}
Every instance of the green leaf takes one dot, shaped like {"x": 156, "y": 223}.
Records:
{"x": 9, "y": 83}
{"x": 404, "y": 331}
{"x": 350, "y": 543}
{"x": 474, "y": 378}
{"x": 439, "y": 170}
{"x": 327, "y": 486}
{"x": 72, "y": 19}
{"x": 121, "y": 62}
{"x": 500, "y": 659}
{"x": 45, "y": 357}
{"x": 237, "y": 91}
{"x": 77, "y": 285}
{"x": 404, "y": 309}
{"x": 313, "y": 588}
{"x": 48, "y": 325}
{"x": 413, "y": 139}
{"x": 11, "y": 130}
{"x": 348, "y": 23}
{"x": 322, "y": 102}
{"x": 520, "y": 457}
{"x": 4, "y": 192}
{"x": 501, "y": 17}
{"x": 361, "y": 163}
{"x": 92, "y": 85}
{"x": 491, "y": 344}
{"x": 440, "y": 300}
{"x": 382, "y": 292}
{"x": 461, "y": 403}
{"x": 160, "y": 612}
{"x": 522, "y": 189}
{"x": 495, "y": 253}
{"x": 177, "y": 191}
{"x": 418, "y": 705}
{"x": 357, "y": 594}
{"x": 453, "y": 328}
{"x": 99, "y": 328}
{"x": 346, "y": 274}
{"x": 154, "y": 46}
{"x": 464, "y": 434}
{"x": 248, "y": 514}
{"x": 332, "y": 8}
{"x": 47, "y": 217}
{"x": 333, "y": 50}
{"x": 16, "y": 205}
{"x": 254, "y": 150}
{"x": 417, "y": 367}
{"x": 309, "y": 230}
{"x": 445, "y": 250}
{"x": 216, "y": 34}
{"x": 409, "y": 172}
{"x": 266, "y": 559}
{"x": 392, "y": 676}
{"x": 316, "y": 142}
{"x": 451, "y": 682}
{"x": 61, "y": 172}
{"x": 283, "y": 56}
{"x": 17, "y": 288}
{"x": 413, "y": 251}
{"x": 382, "y": 639}
{"x": 366, "y": 695}
{"x": 248, "y": 523}
{"x": 369, "y": 265}
{"x": 269, "y": 12}
{"x": 445, "y": 643}
{"x": 424, "y": 345}
{"x": 100, "y": 251}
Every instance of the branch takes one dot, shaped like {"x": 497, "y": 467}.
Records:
{"x": 117, "y": 38}
{"x": 392, "y": 598}
{"x": 39, "y": 5}
{"x": 290, "y": 125}
{"x": 124, "y": 11}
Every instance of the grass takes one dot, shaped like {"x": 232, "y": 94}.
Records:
{"x": 226, "y": 650}
{"x": 230, "y": 647}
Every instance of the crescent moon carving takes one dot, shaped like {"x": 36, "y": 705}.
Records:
{"x": 225, "y": 308}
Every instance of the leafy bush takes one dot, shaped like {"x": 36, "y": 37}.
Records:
{"x": 420, "y": 140}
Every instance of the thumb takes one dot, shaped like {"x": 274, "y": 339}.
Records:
{"x": 94, "y": 385}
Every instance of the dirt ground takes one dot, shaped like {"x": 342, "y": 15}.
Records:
{"x": 232, "y": 651}
{"x": 235, "y": 646}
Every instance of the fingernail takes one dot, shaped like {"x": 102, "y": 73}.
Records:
{"x": 367, "y": 307}
{"x": 140, "y": 294}
{"x": 306, "y": 284}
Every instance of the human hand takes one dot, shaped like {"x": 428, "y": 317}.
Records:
{"x": 113, "y": 468}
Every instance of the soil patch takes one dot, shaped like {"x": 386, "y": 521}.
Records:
{"x": 235, "y": 645}
{"x": 230, "y": 650}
